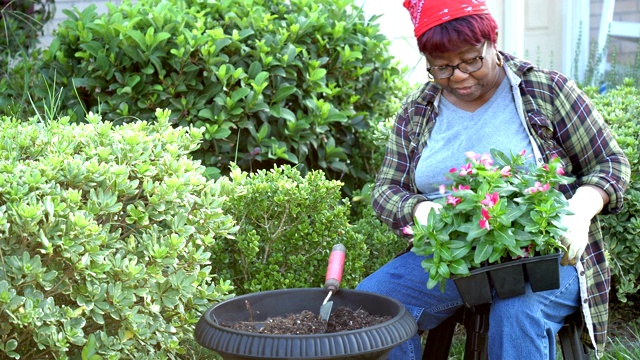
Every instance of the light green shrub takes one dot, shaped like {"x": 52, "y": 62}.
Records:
{"x": 621, "y": 109}
{"x": 106, "y": 239}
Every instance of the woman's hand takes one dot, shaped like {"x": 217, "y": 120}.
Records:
{"x": 586, "y": 203}
{"x": 421, "y": 211}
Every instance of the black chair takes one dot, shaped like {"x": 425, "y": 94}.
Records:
{"x": 476, "y": 323}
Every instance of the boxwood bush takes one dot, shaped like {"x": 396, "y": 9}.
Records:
{"x": 272, "y": 82}
{"x": 288, "y": 224}
{"x": 621, "y": 109}
{"x": 107, "y": 236}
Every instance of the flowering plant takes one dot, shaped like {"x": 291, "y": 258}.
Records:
{"x": 493, "y": 212}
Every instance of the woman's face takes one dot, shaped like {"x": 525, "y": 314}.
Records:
{"x": 469, "y": 89}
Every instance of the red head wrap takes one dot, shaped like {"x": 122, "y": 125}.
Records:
{"x": 426, "y": 14}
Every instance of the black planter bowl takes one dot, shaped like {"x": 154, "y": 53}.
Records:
{"x": 508, "y": 279}
{"x": 373, "y": 342}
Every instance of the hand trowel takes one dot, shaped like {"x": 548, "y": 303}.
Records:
{"x": 333, "y": 278}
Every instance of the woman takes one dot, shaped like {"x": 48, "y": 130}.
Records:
{"x": 481, "y": 98}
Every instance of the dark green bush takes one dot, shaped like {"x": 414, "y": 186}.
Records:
{"x": 106, "y": 239}
{"x": 272, "y": 82}
{"x": 621, "y": 109}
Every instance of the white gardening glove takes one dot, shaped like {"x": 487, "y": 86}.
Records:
{"x": 421, "y": 211}
{"x": 585, "y": 204}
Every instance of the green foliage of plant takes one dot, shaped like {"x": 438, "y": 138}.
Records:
{"x": 493, "y": 212}
{"x": 106, "y": 239}
{"x": 620, "y": 108}
{"x": 21, "y": 22}
{"x": 288, "y": 224}
{"x": 272, "y": 82}
{"x": 382, "y": 243}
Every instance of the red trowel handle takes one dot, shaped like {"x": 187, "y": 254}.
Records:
{"x": 335, "y": 268}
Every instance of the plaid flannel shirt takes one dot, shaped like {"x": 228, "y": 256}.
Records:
{"x": 563, "y": 122}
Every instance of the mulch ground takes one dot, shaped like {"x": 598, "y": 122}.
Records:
{"x": 306, "y": 322}
{"x": 624, "y": 320}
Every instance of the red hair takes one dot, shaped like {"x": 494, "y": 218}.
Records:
{"x": 458, "y": 33}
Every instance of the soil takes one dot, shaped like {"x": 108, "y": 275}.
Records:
{"x": 306, "y": 323}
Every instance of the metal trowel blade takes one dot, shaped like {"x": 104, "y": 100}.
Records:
{"x": 325, "y": 309}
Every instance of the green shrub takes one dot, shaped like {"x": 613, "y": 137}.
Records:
{"x": 106, "y": 237}
{"x": 382, "y": 243}
{"x": 288, "y": 224}
{"x": 621, "y": 109}
{"x": 272, "y": 82}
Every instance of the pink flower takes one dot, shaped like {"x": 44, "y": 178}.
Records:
{"x": 452, "y": 170}
{"x": 490, "y": 199}
{"x": 484, "y": 222}
{"x": 560, "y": 170}
{"x": 407, "y": 230}
{"x": 486, "y": 161}
{"x": 453, "y": 200}
{"x": 461, "y": 187}
{"x": 522, "y": 152}
{"x": 442, "y": 189}
{"x": 537, "y": 187}
{"x": 545, "y": 167}
{"x": 466, "y": 170}
{"x": 506, "y": 171}
{"x": 472, "y": 155}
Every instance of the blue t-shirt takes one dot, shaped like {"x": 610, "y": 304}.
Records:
{"x": 495, "y": 124}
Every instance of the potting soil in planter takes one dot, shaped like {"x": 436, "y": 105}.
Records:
{"x": 306, "y": 322}
{"x": 371, "y": 342}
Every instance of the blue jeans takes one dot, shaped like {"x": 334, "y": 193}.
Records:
{"x": 525, "y": 324}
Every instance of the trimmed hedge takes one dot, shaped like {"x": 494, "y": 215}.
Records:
{"x": 106, "y": 239}
{"x": 287, "y": 226}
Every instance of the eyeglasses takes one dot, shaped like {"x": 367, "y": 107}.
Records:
{"x": 467, "y": 66}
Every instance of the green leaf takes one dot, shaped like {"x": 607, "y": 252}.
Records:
{"x": 283, "y": 92}
{"x": 482, "y": 253}
{"x": 431, "y": 283}
{"x": 460, "y": 252}
{"x": 500, "y": 157}
{"x": 287, "y": 115}
{"x": 137, "y": 36}
{"x": 239, "y": 94}
{"x": 475, "y": 231}
{"x": 459, "y": 267}
{"x": 443, "y": 270}
{"x": 263, "y": 132}
{"x": 504, "y": 237}
{"x": 317, "y": 74}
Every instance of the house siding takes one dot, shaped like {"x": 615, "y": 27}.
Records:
{"x": 624, "y": 10}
